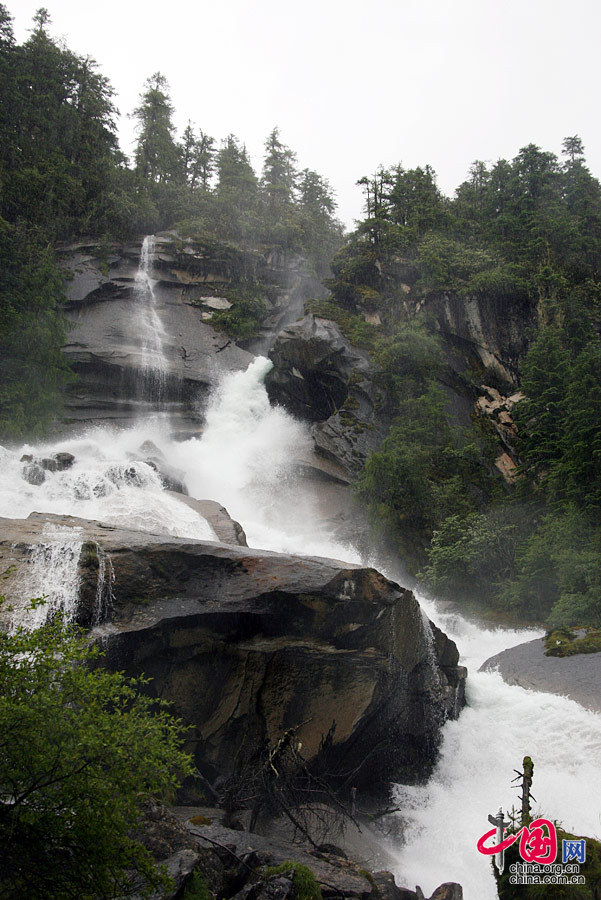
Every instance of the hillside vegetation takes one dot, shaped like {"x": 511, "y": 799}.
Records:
{"x": 528, "y": 232}
{"x": 63, "y": 175}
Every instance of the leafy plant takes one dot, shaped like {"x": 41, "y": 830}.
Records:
{"x": 81, "y": 749}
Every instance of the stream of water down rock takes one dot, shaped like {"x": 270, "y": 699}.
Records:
{"x": 243, "y": 460}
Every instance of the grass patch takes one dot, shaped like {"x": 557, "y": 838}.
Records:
{"x": 306, "y": 886}
{"x": 569, "y": 642}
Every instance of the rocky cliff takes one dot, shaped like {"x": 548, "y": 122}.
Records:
{"x": 192, "y": 282}
{"x": 320, "y": 377}
{"x": 247, "y": 644}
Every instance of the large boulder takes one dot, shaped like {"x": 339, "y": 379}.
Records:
{"x": 319, "y": 376}
{"x": 577, "y": 677}
{"x": 247, "y": 644}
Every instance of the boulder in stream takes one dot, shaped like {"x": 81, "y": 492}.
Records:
{"x": 247, "y": 644}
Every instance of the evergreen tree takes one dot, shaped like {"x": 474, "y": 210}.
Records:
{"x": 156, "y": 156}
{"x": 279, "y": 174}
{"x": 237, "y": 192}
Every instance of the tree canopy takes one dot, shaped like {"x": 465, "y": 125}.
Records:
{"x": 525, "y": 231}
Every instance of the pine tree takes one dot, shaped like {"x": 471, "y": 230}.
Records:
{"x": 156, "y": 156}
{"x": 279, "y": 174}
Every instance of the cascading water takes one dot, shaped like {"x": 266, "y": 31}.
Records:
{"x": 104, "y": 587}
{"x": 51, "y": 579}
{"x": 245, "y": 460}
{"x": 109, "y": 481}
{"x": 501, "y": 724}
{"x": 153, "y": 363}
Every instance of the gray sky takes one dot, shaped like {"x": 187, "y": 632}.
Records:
{"x": 355, "y": 83}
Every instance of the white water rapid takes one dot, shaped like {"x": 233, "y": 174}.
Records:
{"x": 245, "y": 460}
{"x": 500, "y": 725}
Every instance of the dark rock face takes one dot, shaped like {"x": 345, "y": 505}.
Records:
{"x": 103, "y": 345}
{"x": 319, "y": 376}
{"x": 312, "y": 365}
{"x": 248, "y": 643}
{"x": 491, "y": 330}
{"x": 34, "y": 470}
{"x": 577, "y": 677}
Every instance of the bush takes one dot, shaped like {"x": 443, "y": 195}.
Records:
{"x": 82, "y": 748}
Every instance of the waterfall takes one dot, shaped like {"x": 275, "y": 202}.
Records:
{"x": 153, "y": 364}
{"x": 104, "y": 587}
{"x": 51, "y": 576}
{"x": 109, "y": 481}
{"x": 245, "y": 459}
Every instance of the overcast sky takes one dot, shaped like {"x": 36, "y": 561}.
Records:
{"x": 355, "y": 83}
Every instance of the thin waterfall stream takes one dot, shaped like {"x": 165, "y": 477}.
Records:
{"x": 245, "y": 460}
{"x": 154, "y": 366}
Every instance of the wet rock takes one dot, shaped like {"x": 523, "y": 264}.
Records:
{"x": 33, "y": 474}
{"x": 64, "y": 460}
{"x": 319, "y": 376}
{"x": 172, "y": 478}
{"x": 337, "y": 876}
{"x": 577, "y": 677}
{"x": 169, "y": 843}
{"x": 278, "y": 887}
{"x": 228, "y": 531}
{"x": 247, "y": 644}
{"x": 312, "y": 365}
{"x": 488, "y": 330}
{"x": 149, "y": 448}
{"x": 450, "y": 890}
{"x": 58, "y": 462}
{"x": 192, "y": 278}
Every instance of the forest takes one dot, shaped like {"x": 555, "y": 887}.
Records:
{"x": 525, "y": 231}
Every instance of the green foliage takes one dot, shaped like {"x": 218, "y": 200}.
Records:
{"x": 359, "y": 332}
{"x": 558, "y": 570}
{"x": 410, "y": 359}
{"x": 33, "y": 371}
{"x": 473, "y": 556}
{"x": 156, "y": 153}
{"x": 424, "y": 472}
{"x": 525, "y": 231}
{"x": 81, "y": 750}
{"x": 306, "y": 886}
{"x": 196, "y": 888}
{"x": 246, "y": 315}
{"x": 565, "y": 642}
{"x": 62, "y": 175}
